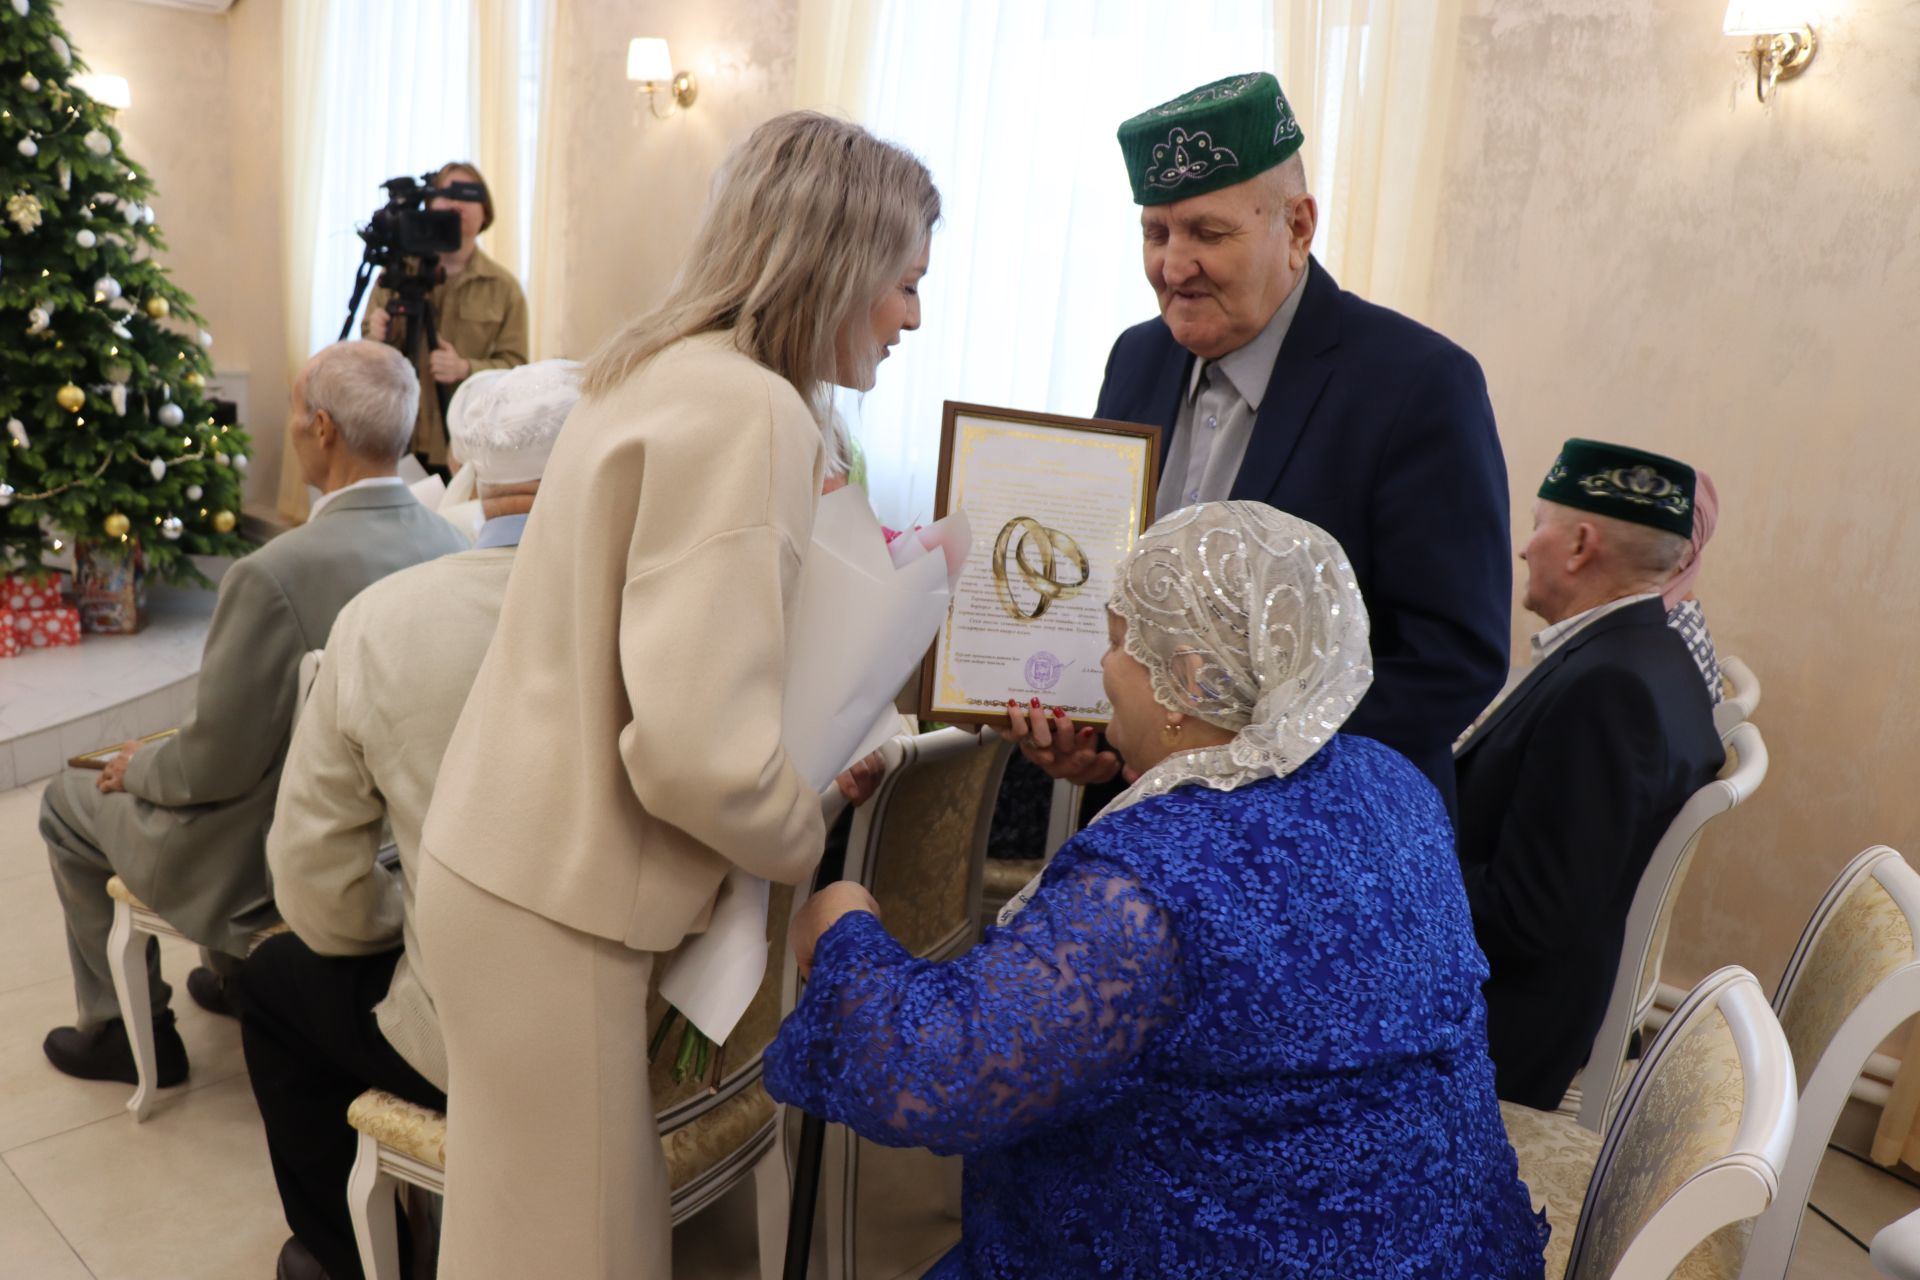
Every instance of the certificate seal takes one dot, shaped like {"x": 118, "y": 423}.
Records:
{"x": 1043, "y": 671}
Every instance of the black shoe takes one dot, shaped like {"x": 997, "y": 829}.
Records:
{"x": 210, "y": 991}
{"x": 103, "y": 1052}
{"x": 298, "y": 1263}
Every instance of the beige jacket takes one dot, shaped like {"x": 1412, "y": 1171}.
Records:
{"x": 621, "y": 747}
{"x": 398, "y": 669}
{"x": 192, "y": 842}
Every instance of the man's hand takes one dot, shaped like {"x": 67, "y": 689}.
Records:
{"x": 1061, "y": 751}
{"x": 114, "y": 777}
{"x": 378, "y": 322}
{"x": 862, "y": 779}
{"x": 446, "y": 364}
{"x": 819, "y": 914}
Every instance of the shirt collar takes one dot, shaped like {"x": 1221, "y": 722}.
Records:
{"x": 1250, "y": 368}
{"x": 1551, "y": 638}
{"x": 502, "y": 531}
{"x": 371, "y": 482}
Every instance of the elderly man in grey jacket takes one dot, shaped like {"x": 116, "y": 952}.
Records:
{"x": 184, "y": 821}
{"x": 343, "y": 1004}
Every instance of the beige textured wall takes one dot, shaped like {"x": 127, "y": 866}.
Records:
{"x": 1637, "y": 251}
{"x": 205, "y": 124}
{"x": 633, "y": 185}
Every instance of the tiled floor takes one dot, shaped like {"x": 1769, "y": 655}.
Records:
{"x": 84, "y": 1192}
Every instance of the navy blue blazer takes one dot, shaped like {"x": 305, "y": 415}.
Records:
{"x": 1379, "y": 431}
{"x": 1564, "y": 792}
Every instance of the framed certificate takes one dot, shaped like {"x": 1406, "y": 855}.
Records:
{"x": 1054, "y": 504}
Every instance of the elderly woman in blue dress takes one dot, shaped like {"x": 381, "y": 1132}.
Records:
{"x": 1235, "y": 1029}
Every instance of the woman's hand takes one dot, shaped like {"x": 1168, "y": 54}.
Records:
{"x": 820, "y": 913}
{"x": 378, "y": 322}
{"x": 446, "y": 364}
{"x": 860, "y": 781}
{"x": 1062, "y": 752}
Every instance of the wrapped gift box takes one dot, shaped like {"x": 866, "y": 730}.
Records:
{"x": 40, "y": 591}
{"x": 9, "y": 642}
{"x": 41, "y": 628}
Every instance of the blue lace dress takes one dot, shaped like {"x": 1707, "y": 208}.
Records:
{"x": 1234, "y": 1034}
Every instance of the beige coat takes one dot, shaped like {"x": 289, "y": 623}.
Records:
{"x": 621, "y": 747}
{"x": 398, "y": 669}
{"x": 189, "y": 834}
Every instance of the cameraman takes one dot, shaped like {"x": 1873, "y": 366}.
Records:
{"x": 480, "y": 314}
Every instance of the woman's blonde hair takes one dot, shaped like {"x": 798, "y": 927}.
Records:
{"x": 810, "y": 219}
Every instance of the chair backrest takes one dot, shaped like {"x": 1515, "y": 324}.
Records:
{"x": 1854, "y": 978}
{"x": 309, "y": 668}
{"x": 1700, "y": 1139}
{"x": 920, "y": 844}
{"x": 1742, "y": 695}
{"x": 1651, "y": 916}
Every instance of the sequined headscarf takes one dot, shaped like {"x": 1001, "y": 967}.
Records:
{"x": 1251, "y": 620}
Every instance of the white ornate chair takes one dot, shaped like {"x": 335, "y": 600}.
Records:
{"x": 713, "y": 1139}
{"x": 1649, "y": 919}
{"x": 1742, "y": 695}
{"x": 920, "y": 847}
{"x": 134, "y": 923}
{"x": 1698, "y": 1146}
{"x": 1896, "y": 1249}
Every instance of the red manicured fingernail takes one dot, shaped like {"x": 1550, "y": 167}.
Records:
{"x": 1086, "y": 733}
{"x": 1059, "y": 713}
{"x": 1036, "y": 704}
{"x": 1013, "y": 702}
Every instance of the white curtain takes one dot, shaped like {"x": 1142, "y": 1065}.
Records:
{"x": 1014, "y": 106}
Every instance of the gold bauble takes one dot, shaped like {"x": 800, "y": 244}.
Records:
{"x": 70, "y": 398}
{"x": 117, "y": 525}
{"x": 158, "y": 308}
{"x": 194, "y": 380}
{"x": 223, "y": 522}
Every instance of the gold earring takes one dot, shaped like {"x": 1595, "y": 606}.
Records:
{"x": 1172, "y": 730}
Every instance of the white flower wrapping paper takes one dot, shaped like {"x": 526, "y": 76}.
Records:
{"x": 865, "y": 617}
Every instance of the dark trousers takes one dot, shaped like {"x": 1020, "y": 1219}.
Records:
{"x": 312, "y": 1047}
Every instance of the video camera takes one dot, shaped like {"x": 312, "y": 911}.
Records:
{"x": 405, "y": 239}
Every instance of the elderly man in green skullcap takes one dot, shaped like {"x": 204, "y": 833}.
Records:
{"x": 1275, "y": 385}
{"x": 1571, "y": 780}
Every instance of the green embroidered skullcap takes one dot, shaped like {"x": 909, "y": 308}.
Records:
{"x": 1627, "y": 484}
{"x": 1218, "y": 135}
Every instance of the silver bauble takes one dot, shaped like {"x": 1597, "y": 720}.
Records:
{"x": 171, "y": 528}
{"x": 193, "y": 493}
{"x": 6, "y": 494}
{"x": 169, "y": 415}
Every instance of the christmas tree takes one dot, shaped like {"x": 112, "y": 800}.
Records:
{"x": 111, "y": 439}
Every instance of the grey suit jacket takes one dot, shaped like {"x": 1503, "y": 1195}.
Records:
{"x": 189, "y": 836}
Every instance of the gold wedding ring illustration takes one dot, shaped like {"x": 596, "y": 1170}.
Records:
{"x": 1049, "y": 546}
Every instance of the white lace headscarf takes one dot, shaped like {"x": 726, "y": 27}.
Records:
{"x": 1249, "y": 619}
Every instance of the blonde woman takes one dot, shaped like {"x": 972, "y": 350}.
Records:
{"x": 621, "y": 748}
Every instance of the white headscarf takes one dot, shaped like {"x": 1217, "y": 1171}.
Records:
{"x": 1251, "y": 620}
{"x": 503, "y": 424}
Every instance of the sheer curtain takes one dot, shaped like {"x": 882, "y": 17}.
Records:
{"x": 1014, "y": 105}
{"x": 374, "y": 90}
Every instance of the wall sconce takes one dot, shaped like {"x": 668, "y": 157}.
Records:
{"x": 1783, "y": 40}
{"x": 109, "y": 91}
{"x": 651, "y": 67}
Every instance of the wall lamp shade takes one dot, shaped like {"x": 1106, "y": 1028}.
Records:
{"x": 651, "y": 67}
{"x": 1783, "y": 38}
{"x": 108, "y": 91}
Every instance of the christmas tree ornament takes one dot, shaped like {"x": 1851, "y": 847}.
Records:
{"x": 171, "y": 528}
{"x": 98, "y": 142}
{"x": 60, "y": 50}
{"x": 159, "y": 308}
{"x": 116, "y": 371}
{"x": 24, "y": 210}
{"x": 195, "y": 380}
{"x": 20, "y": 7}
{"x": 30, "y": 82}
{"x": 131, "y": 212}
{"x": 206, "y": 340}
{"x": 70, "y": 398}
{"x": 28, "y": 148}
{"x": 169, "y": 415}
{"x": 221, "y": 458}
{"x": 85, "y": 239}
{"x": 117, "y": 394}
{"x": 6, "y": 494}
{"x": 116, "y": 525}
{"x": 240, "y": 463}
{"x": 66, "y": 176}
{"x": 158, "y": 468}
{"x": 106, "y": 289}
{"x": 223, "y": 522}
{"x": 121, "y": 331}
{"x": 18, "y": 431}
{"x": 38, "y": 319}
{"x": 193, "y": 493}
